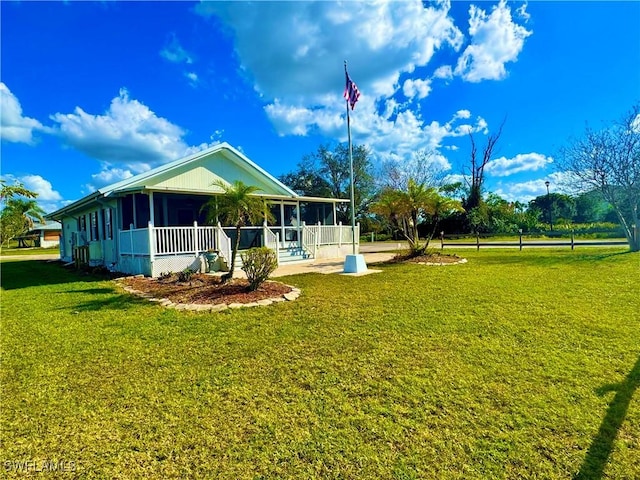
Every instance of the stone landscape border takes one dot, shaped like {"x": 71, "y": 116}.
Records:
{"x": 443, "y": 264}
{"x": 205, "y": 307}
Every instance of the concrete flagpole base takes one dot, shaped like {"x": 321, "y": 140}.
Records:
{"x": 354, "y": 264}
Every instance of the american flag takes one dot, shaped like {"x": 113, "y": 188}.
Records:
{"x": 351, "y": 92}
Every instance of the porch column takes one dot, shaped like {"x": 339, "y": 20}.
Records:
{"x": 195, "y": 238}
{"x": 152, "y": 217}
{"x": 298, "y": 224}
{"x": 282, "y": 223}
{"x": 152, "y": 243}
{"x": 135, "y": 216}
{"x": 335, "y": 215}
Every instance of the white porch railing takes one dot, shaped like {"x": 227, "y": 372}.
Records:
{"x": 134, "y": 241}
{"x": 310, "y": 240}
{"x": 174, "y": 240}
{"x": 271, "y": 240}
{"x": 194, "y": 240}
{"x": 333, "y": 234}
{"x": 224, "y": 243}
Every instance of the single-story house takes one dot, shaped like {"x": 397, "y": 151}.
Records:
{"x": 153, "y": 222}
{"x": 44, "y": 235}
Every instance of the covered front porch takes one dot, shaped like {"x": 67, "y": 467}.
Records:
{"x": 155, "y": 250}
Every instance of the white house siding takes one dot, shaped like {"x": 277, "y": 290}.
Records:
{"x": 102, "y": 250}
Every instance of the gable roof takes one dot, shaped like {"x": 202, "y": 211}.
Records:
{"x": 192, "y": 174}
{"x": 220, "y": 161}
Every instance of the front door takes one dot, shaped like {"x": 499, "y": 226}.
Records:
{"x": 287, "y": 215}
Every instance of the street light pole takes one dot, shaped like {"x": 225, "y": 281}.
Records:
{"x": 549, "y": 206}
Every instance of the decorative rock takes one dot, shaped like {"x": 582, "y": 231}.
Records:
{"x": 251, "y": 304}
{"x": 290, "y": 296}
{"x": 236, "y": 305}
{"x": 219, "y": 307}
{"x": 266, "y": 301}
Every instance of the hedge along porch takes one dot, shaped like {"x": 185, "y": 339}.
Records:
{"x": 154, "y": 223}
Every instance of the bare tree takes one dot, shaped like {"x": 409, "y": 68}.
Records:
{"x": 475, "y": 177}
{"x": 609, "y": 160}
{"x": 424, "y": 167}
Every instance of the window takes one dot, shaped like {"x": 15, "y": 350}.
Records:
{"x": 93, "y": 217}
{"x": 107, "y": 230}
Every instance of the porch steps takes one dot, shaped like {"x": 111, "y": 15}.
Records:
{"x": 288, "y": 255}
{"x": 293, "y": 255}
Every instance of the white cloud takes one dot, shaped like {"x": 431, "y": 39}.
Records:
{"x": 522, "y": 12}
{"x": 108, "y": 176}
{"x": 523, "y": 162}
{"x": 128, "y": 132}
{"x": 416, "y": 88}
{"x": 462, "y": 114}
{"x": 445, "y": 72}
{"x": 306, "y": 38}
{"x": 454, "y": 178}
{"x": 48, "y": 198}
{"x": 495, "y": 40}
{"x": 175, "y": 53}
{"x": 300, "y": 77}
{"x": 42, "y": 187}
{"x": 192, "y": 77}
{"x": 14, "y": 127}
{"x": 526, "y": 191}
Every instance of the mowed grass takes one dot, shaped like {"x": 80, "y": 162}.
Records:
{"x": 28, "y": 251}
{"x": 514, "y": 365}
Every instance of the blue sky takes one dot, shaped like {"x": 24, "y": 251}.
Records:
{"x": 92, "y": 93}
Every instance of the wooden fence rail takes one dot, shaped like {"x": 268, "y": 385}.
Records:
{"x": 572, "y": 242}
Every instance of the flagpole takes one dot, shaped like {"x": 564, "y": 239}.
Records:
{"x": 353, "y": 206}
{"x": 353, "y": 263}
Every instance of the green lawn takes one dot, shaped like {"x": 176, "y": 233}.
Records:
{"x": 28, "y": 251}
{"x": 514, "y": 365}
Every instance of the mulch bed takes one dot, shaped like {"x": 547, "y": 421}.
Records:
{"x": 205, "y": 289}
{"x": 431, "y": 258}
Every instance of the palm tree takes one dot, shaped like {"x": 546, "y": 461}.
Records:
{"x": 28, "y": 209}
{"x": 237, "y": 206}
{"x": 405, "y": 209}
{"x": 17, "y": 217}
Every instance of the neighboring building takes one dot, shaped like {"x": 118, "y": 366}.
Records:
{"x": 153, "y": 222}
{"x": 44, "y": 235}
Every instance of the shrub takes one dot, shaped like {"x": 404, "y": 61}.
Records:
{"x": 258, "y": 264}
{"x": 185, "y": 275}
{"x": 165, "y": 276}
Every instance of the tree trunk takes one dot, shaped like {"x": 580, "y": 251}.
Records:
{"x": 234, "y": 252}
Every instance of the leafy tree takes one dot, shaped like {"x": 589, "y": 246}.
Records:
{"x": 406, "y": 209}
{"x": 591, "y": 207}
{"x": 560, "y": 206}
{"x": 326, "y": 173}
{"x": 609, "y": 160}
{"x": 19, "y": 211}
{"x": 18, "y": 190}
{"x": 237, "y": 206}
{"x": 497, "y": 215}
